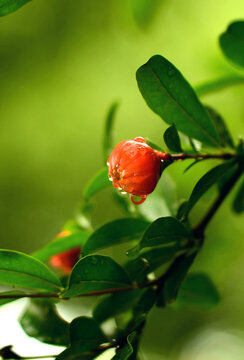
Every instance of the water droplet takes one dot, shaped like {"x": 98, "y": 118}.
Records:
{"x": 132, "y": 253}
{"x": 107, "y": 163}
{"x": 171, "y": 71}
{"x": 110, "y": 178}
{"x": 140, "y": 200}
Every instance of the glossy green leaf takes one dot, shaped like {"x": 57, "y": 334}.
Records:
{"x": 170, "y": 96}
{"x": 232, "y": 43}
{"x": 205, "y": 183}
{"x": 108, "y": 132}
{"x": 225, "y": 138}
{"x": 94, "y": 273}
{"x": 61, "y": 244}
{"x": 172, "y": 139}
{"x": 18, "y": 269}
{"x": 85, "y": 337}
{"x": 9, "y": 6}
{"x": 97, "y": 183}
{"x": 197, "y": 290}
{"x": 41, "y": 321}
{"x": 165, "y": 231}
{"x": 149, "y": 261}
{"x": 115, "y": 304}
{"x": 175, "y": 276}
{"x": 114, "y": 233}
{"x": 5, "y": 293}
{"x": 141, "y": 309}
{"x": 238, "y": 203}
{"x": 124, "y": 352}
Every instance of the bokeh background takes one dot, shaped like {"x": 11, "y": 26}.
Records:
{"x": 62, "y": 63}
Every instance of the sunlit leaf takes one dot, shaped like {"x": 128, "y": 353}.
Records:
{"x": 94, "y": 273}
{"x": 170, "y": 96}
{"x": 97, "y": 183}
{"x": 18, "y": 269}
{"x": 41, "y": 321}
{"x": 108, "y": 131}
{"x": 197, "y": 290}
{"x": 9, "y": 6}
{"x": 232, "y": 43}
{"x": 114, "y": 233}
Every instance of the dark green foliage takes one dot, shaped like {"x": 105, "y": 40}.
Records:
{"x": 172, "y": 139}
{"x": 114, "y": 233}
{"x": 238, "y": 203}
{"x": 165, "y": 231}
{"x": 197, "y": 290}
{"x": 18, "y": 269}
{"x": 232, "y": 43}
{"x": 41, "y": 321}
{"x": 169, "y": 95}
{"x": 115, "y": 304}
{"x": 9, "y": 6}
{"x": 85, "y": 337}
{"x": 124, "y": 352}
{"x": 174, "y": 278}
{"x": 225, "y": 138}
{"x": 205, "y": 183}
{"x": 94, "y": 273}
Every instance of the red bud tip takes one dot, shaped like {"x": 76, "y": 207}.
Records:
{"x": 134, "y": 168}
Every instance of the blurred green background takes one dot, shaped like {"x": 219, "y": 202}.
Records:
{"x": 62, "y": 63}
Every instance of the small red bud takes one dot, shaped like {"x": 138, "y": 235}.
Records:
{"x": 134, "y": 168}
{"x": 66, "y": 260}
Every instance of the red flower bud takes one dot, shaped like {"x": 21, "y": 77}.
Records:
{"x": 134, "y": 168}
{"x": 66, "y": 260}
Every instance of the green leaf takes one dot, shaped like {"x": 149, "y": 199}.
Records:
{"x": 115, "y": 304}
{"x": 62, "y": 244}
{"x": 9, "y": 6}
{"x": 205, "y": 183}
{"x": 238, "y": 203}
{"x": 41, "y": 321}
{"x": 94, "y": 273}
{"x": 115, "y": 232}
{"x": 149, "y": 261}
{"x": 18, "y": 269}
{"x": 232, "y": 43}
{"x": 170, "y": 96}
{"x": 172, "y": 139}
{"x": 197, "y": 290}
{"x": 225, "y": 138}
{"x": 165, "y": 231}
{"x": 108, "y": 133}
{"x": 144, "y": 11}
{"x": 85, "y": 336}
{"x": 124, "y": 352}
{"x": 6, "y": 293}
{"x": 174, "y": 279}
{"x": 97, "y": 183}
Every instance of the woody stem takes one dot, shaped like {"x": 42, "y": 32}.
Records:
{"x": 183, "y": 156}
